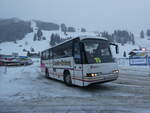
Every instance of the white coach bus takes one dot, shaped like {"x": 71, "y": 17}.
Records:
{"x": 80, "y": 61}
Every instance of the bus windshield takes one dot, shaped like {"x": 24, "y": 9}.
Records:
{"x": 97, "y": 51}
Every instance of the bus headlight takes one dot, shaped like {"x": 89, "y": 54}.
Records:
{"x": 115, "y": 71}
{"x": 91, "y": 74}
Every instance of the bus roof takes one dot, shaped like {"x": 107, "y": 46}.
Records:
{"x": 81, "y": 38}
{"x": 89, "y": 37}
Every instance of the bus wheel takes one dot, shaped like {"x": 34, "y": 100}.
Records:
{"x": 67, "y": 79}
{"x": 46, "y": 73}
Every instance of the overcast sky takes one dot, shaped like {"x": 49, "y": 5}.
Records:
{"x": 101, "y": 15}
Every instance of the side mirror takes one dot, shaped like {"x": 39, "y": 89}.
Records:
{"x": 116, "y": 47}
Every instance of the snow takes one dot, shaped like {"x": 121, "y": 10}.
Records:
{"x": 26, "y": 86}
{"x": 10, "y": 47}
{"x": 21, "y": 81}
{"x": 28, "y": 43}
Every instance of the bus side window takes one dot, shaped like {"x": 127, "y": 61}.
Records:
{"x": 42, "y": 55}
{"x": 50, "y": 54}
{"x": 77, "y": 53}
{"x": 46, "y": 55}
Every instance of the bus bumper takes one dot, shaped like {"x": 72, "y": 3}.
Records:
{"x": 99, "y": 79}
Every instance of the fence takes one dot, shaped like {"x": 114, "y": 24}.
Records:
{"x": 133, "y": 61}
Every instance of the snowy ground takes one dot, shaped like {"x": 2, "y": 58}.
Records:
{"x": 25, "y": 90}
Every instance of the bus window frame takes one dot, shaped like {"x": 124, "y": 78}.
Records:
{"x": 84, "y": 56}
{"x": 60, "y": 46}
{"x": 50, "y": 54}
{"x": 82, "y": 52}
{"x": 76, "y": 41}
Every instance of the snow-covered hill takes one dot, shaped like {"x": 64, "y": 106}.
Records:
{"x": 139, "y": 43}
{"x": 27, "y": 43}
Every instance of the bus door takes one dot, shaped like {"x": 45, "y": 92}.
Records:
{"x": 51, "y": 74}
{"x": 78, "y": 67}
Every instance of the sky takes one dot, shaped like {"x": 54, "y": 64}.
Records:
{"x": 132, "y": 15}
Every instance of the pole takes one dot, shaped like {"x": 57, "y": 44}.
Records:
{"x": 5, "y": 70}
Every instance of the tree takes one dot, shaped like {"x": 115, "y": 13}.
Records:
{"x": 28, "y": 53}
{"x": 132, "y": 39}
{"x": 32, "y": 49}
{"x": 71, "y": 29}
{"x": 15, "y": 42}
{"x": 11, "y": 30}
{"x": 52, "y": 39}
{"x": 148, "y": 32}
{"x": 26, "y": 43}
{"x": 44, "y": 38}
{"x": 108, "y": 36}
{"x": 123, "y": 36}
{"x": 124, "y": 54}
{"x": 142, "y": 34}
{"x": 55, "y": 39}
{"x": 83, "y": 30}
{"x": 63, "y": 28}
{"x": 39, "y": 34}
{"x": 35, "y": 37}
{"x": 24, "y": 50}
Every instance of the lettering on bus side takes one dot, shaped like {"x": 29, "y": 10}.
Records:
{"x": 62, "y": 63}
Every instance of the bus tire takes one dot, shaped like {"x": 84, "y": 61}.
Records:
{"x": 46, "y": 73}
{"x": 67, "y": 78}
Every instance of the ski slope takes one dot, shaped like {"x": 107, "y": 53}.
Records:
{"x": 28, "y": 43}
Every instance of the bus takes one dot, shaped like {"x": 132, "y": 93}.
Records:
{"x": 80, "y": 61}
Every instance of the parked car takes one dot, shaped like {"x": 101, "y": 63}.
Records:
{"x": 23, "y": 60}
{"x": 8, "y": 60}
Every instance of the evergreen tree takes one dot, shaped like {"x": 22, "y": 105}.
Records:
{"x": 63, "y": 28}
{"x": 28, "y": 53}
{"x": 71, "y": 29}
{"x": 108, "y": 36}
{"x": 142, "y": 34}
{"x": 124, "y": 54}
{"x": 35, "y": 37}
{"x": 83, "y": 30}
{"x": 26, "y": 43}
{"x": 55, "y": 39}
{"x": 15, "y": 42}
{"x": 44, "y": 38}
{"x": 24, "y": 50}
{"x": 132, "y": 39}
{"x": 123, "y": 36}
{"x": 32, "y": 49}
{"x": 148, "y": 32}
{"x": 39, "y": 34}
{"x": 52, "y": 40}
